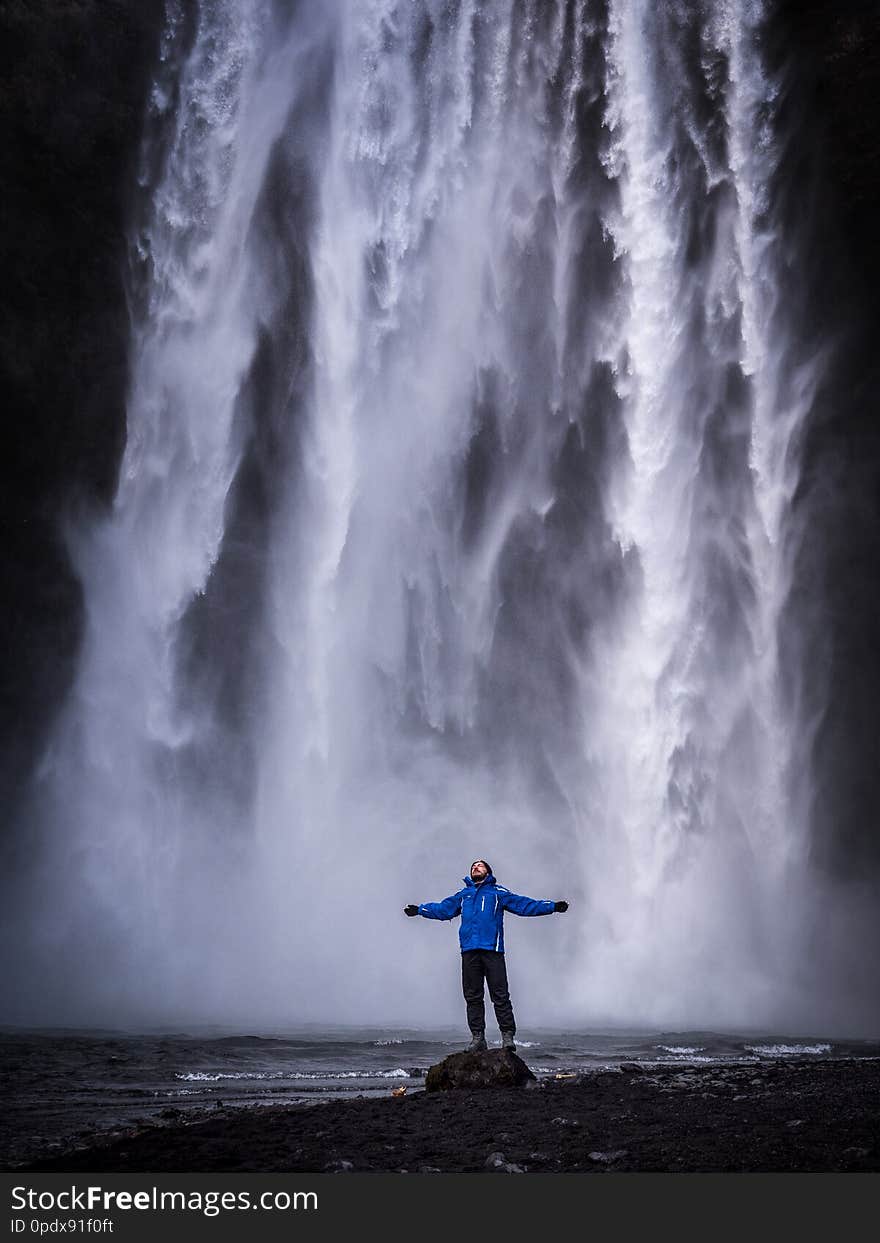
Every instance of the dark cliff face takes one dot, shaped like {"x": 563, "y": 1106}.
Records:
{"x": 829, "y": 58}
{"x": 75, "y": 81}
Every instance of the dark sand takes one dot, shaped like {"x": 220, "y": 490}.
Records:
{"x": 786, "y": 1116}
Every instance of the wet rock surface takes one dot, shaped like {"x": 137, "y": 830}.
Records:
{"x": 496, "y": 1068}
{"x": 784, "y": 1116}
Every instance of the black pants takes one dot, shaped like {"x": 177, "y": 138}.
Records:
{"x": 478, "y": 966}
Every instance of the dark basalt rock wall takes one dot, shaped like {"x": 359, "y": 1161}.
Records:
{"x": 829, "y": 58}
{"x": 73, "y": 87}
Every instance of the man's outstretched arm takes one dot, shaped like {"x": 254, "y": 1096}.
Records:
{"x": 519, "y": 905}
{"x": 447, "y": 909}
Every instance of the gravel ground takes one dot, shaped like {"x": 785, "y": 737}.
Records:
{"x": 786, "y": 1116}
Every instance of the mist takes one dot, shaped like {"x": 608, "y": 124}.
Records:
{"x": 463, "y": 512}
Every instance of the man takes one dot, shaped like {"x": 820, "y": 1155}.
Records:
{"x": 481, "y": 905}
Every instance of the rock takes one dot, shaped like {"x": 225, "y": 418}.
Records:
{"x": 569, "y": 1122}
{"x": 631, "y": 1068}
{"x": 606, "y": 1158}
{"x": 494, "y": 1068}
{"x": 338, "y": 1167}
{"x": 498, "y": 1161}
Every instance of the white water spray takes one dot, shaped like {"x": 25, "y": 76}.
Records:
{"x": 529, "y": 534}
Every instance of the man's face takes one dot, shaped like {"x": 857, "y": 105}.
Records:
{"x": 479, "y": 871}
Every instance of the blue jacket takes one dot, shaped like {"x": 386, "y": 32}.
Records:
{"x": 481, "y": 907}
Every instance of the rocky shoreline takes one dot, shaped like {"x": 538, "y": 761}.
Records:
{"x": 793, "y": 1115}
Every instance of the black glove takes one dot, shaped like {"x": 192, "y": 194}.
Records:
{"x": 560, "y": 906}
{"x": 410, "y": 910}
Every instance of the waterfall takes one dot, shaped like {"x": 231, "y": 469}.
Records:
{"x": 457, "y": 517}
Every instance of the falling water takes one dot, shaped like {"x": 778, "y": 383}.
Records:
{"x": 457, "y": 517}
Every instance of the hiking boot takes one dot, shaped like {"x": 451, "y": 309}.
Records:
{"x": 508, "y": 1042}
{"x": 477, "y": 1044}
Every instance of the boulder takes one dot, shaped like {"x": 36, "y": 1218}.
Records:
{"x": 494, "y": 1068}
